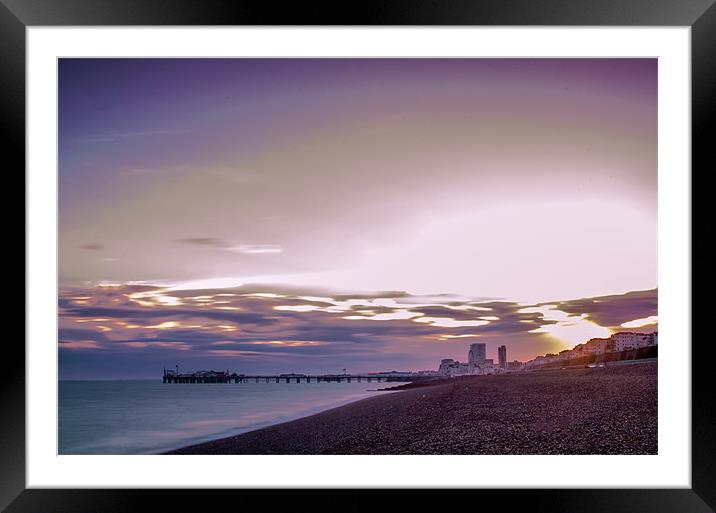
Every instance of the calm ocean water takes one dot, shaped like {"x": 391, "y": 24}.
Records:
{"x": 146, "y": 417}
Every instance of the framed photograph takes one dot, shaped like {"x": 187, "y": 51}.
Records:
{"x": 426, "y": 248}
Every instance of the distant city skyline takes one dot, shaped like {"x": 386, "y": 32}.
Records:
{"x": 313, "y": 214}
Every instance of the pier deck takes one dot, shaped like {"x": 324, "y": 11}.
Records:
{"x": 282, "y": 378}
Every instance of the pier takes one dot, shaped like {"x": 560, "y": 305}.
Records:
{"x": 170, "y": 376}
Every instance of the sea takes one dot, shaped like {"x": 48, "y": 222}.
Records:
{"x": 151, "y": 417}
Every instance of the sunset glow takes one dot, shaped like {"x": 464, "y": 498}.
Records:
{"x": 569, "y": 330}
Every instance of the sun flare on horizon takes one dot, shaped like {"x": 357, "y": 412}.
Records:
{"x": 569, "y": 330}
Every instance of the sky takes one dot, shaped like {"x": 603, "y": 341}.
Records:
{"x": 310, "y": 215}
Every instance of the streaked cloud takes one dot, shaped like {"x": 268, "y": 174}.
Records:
{"x": 638, "y": 323}
{"x": 448, "y": 336}
{"x": 391, "y": 316}
{"x": 447, "y": 322}
{"x": 267, "y": 328}
{"x": 178, "y": 346}
{"x": 245, "y": 249}
{"x": 614, "y": 310}
{"x": 92, "y": 246}
{"x": 205, "y": 241}
{"x": 115, "y": 136}
{"x": 79, "y": 344}
{"x": 256, "y": 249}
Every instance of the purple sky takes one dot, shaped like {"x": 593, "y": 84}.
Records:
{"x": 492, "y": 198}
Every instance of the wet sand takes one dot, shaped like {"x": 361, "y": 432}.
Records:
{"x": 610, "y": 410}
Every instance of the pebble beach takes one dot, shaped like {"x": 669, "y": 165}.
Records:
{"x": 600, "y": 410}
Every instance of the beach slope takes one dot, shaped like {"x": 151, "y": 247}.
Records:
{"x": 610, "y": 410}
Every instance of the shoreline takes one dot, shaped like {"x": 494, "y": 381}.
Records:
{"x": 400, "y": 386}
{"x": 231, "y": 433}
{"x": 609, "y": 410}
{"x": 211, "y": 441}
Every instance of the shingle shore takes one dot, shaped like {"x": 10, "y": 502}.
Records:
{"x": 610, "y": 410}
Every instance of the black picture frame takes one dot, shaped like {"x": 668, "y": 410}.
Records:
{"x": 16, "y": 15}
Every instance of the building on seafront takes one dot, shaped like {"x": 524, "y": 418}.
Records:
{"x": 515, "y": 365}
{"x": 445, "y": 365}
{"x": 450, "y": 367}
{"x": 597, "y": 345}
{"x": 478, "y": 363}
{"x": 622, "y": 341}
{"x": 630, "y": 340}
{"x": 476, "y": 355}
{"x": 502, "y": 356}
